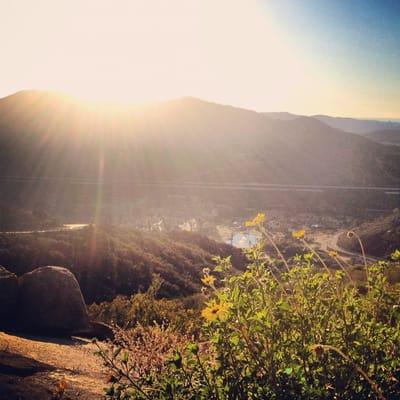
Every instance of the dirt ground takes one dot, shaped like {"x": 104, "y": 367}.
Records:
{"x": 39, "y": 368}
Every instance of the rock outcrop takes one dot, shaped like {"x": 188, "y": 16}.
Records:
{"x": 51, "y": 302}
{"x": 8, "y": 296}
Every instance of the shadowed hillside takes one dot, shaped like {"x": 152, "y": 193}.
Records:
{"x": 388, "y": 136}
{"x": 113, "y": 261}
{"x": 385, "y": 132}
{"x": 380, "y": 237}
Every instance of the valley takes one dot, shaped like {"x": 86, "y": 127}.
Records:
{"x": 149, "y": 212}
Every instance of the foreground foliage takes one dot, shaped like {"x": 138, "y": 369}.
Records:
{"x": 306, "y": 333}
{"x": 145, "y": 309}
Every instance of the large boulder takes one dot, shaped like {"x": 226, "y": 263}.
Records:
{"x": 8, "y": 296}
{"x": 51, "y": 302}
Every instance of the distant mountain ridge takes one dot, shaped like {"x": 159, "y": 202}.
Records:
{"x": 360, "y": 126}
{"x": 44, "y": 134}
{"x": 281, "y": 115}
{"x": 385, "y": 132}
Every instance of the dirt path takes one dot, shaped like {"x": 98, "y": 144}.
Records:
{"x": 35, "y": 368}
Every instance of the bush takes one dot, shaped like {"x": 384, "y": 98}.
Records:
{"x": 137, "y": 357}
{"x": 306, "y": 333}
{"x": 145, "y": 309}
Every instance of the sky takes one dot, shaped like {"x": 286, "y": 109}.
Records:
{"x": 338, "y": 57}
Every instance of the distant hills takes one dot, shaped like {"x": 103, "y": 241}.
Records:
{"x": 52, "y": 136}
{"x": 388, "y": 136}
{"x": 282, "y": 116}
{"x": 385, "y": 132}
{"x": 360, "y": 126}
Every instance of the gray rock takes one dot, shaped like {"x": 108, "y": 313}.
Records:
{"x": 8, "y": 296}
{"x": 98, "y": 330}
{"x": 51, "y": 302}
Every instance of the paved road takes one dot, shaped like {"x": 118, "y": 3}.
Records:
{"x": 207, "y": 185}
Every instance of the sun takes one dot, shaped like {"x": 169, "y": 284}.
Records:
{"x": 154, "y": 50}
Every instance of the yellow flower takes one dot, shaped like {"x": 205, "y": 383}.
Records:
{"x": 395, "y": 256}
{"x": 216, "y": 311}
{"x": 299, "y": 234}
{"x": 208, "y": 280}
{"x": 223, "y": 311}
{"x": 333, "y": 254}
{"x": 257, "y": 220}
{"x": 210, "y": 313}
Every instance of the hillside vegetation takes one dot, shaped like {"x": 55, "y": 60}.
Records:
{"x": 21, "y": 219}
{"x": 380, "y": 237}
{"x": 114, "y": 261}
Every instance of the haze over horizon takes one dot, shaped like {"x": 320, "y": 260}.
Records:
{"x": 339, "y": 58}
{"x": 103, "y": 103}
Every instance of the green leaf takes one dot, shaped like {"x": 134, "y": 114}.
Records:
{"x": 288, "y": 371}
{"x": 125, "y": 358}
{"x": 282, "y": 305}
{"x": 234, "y": 339}
{"x": 193, "y": 348}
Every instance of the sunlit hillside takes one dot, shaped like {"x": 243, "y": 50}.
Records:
{"x": 47, "y": 135}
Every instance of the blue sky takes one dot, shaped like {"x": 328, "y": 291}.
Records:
{"x": 357, "y": 42}
{"x": 363, "y": 33}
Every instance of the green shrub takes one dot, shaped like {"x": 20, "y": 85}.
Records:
{"x": 306, "y": 333}
{"x": 146, "y": 309}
